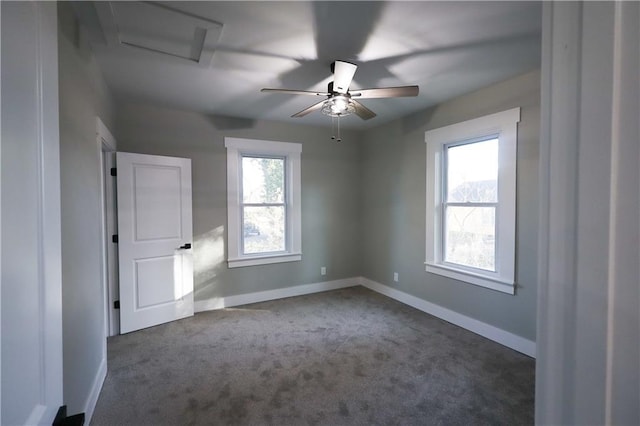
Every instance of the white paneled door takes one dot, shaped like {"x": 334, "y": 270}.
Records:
{"x": 154, "y": 239}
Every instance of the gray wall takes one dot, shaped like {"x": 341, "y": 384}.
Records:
{"x": 83, "y": 95}
{"x": 393, "y": 206}
{"x": 330, "y": 200}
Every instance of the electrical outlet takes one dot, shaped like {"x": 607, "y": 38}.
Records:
{"x": 323, "y": 270}
{"x": 395, "y": 276}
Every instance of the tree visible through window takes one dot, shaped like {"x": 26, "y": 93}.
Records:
{"x": 263, "y": 205}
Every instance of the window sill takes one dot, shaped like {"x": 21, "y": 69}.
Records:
{"x": 263, "y": 259}
{"x": 471, "y": 278}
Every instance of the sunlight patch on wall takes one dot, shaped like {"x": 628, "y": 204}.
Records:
{"x": 208, "y": 255}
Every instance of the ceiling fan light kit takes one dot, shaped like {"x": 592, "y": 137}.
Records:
{"x": 338, "y": 106}
{"x": 339, "y": 102}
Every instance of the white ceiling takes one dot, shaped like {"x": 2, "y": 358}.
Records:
{"x": 223, "y": 53}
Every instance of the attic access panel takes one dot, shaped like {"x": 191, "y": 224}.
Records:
{"x": 158, "y": 28}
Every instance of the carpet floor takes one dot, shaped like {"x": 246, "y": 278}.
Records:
{"x": 344, "y": 357}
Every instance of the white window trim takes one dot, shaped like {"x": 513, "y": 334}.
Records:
{"x": 236, "y": 148}
{"x": 505, "y": 125}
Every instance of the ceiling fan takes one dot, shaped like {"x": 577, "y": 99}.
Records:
{"x": 340, "y": 101}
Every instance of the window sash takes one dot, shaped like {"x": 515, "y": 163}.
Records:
{"x": 285, "y": 183}
{"x": 284, "y": 204}
{"x": 263, "y": 204}
{"x": 444, "y": 179}
{"x": 445, "y": 204}
{"x": 243, "y": 236}
{"x": 443, "y": 237}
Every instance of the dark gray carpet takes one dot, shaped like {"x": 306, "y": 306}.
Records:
{"x": 346, "y": 357}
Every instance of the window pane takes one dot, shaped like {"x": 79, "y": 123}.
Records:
{"x": 262, "y": 180}
{"x": 263, "y": 229}
{"x": 470, "y": 237}
{"x": 472, "y": 172}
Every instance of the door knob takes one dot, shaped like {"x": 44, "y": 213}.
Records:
{"x": 186, "y": 246}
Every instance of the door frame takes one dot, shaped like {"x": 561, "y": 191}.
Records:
{"x": 106, "y": 145}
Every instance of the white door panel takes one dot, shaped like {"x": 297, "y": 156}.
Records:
{"x": 154, "y": 227}
{"x": 158, "y": 203}
{"x": 149, "y": 272}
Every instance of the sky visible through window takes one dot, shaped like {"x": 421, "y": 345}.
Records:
{"x": 471, "y": 163}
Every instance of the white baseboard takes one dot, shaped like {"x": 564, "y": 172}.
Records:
{"x": 496, "y": 334}
{"x": 96, "y": 387}
{"x": 280, "y": 293}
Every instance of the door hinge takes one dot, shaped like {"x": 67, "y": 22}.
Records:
{"x": 116, "y": 304}
{"x": 114, "y": 172}
{"x": 114, "y": 238}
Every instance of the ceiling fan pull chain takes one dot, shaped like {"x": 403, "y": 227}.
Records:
{"x": 339, "y": 139}
{"x": 333, "y": 128}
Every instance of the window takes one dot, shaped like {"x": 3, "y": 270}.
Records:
{"x": 263, "y": 196}
{"x": 471, "y": 200}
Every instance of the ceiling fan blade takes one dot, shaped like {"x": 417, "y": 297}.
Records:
{"x": 295, "y": 92}
{"x": 386, "y": 92}
{"x": 362, "y": 111}
{"x": 312, "y": 108}
{"x": 342, "y": 75}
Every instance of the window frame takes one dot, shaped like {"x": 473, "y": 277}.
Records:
{"x": 502, "y": 125}
{"x": 237, "y": 148}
